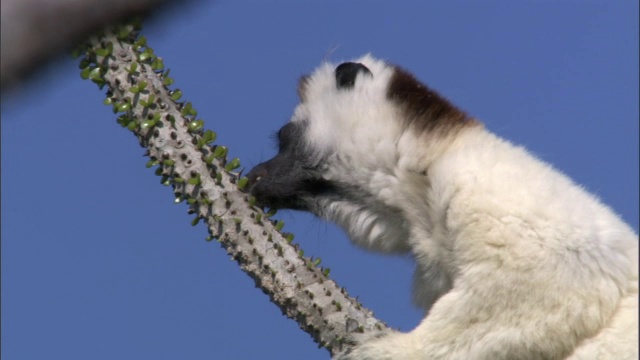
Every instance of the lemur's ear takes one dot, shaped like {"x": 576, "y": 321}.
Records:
{"x": 346, "y": 74}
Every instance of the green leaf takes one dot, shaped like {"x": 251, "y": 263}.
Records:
{"x": 124, "y": 107}
{"x": 195, "y": 220}
{"x": 209, "y": 159}
{"x": 84, "y": 74}
{"x": 102, "y": 52}
{"x": 84, "y": 63}
{"x": 233, "y": 164}
{"x": 147, "y": 124}
{"x": 165, "y": 180}
{"x": 176, "y": 95}
{"x": 195, "y": 126}
{"x": 123, "y": 120}
{"x": 279, "y": 225}
{"x": 209, "y": 136}
{"x": 289, "y": 238}
{"x": 242, "y": 183}
{"x": 133, "y": 68}
{"x": 194, "y": 180}
{"x": 145, "y": 55}
{"x": 94, "y": 73}
{"x": 106, "y": 51}
{"x": 124, "y": 32}
{"x": 151, "y": 163}
{"x": 271, "y": 212}
{"x": 100, "y": 82}
{"x": 157, "y": 64}
{"x": 185, "y": 109}
{"x": 169, "y": 162}
{"x": 142, "y": 41}
{"x": 220, "y": 151}
{"x": 167, "y": 81}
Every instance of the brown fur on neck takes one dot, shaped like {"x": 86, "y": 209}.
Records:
{"x": 425, "y": 109}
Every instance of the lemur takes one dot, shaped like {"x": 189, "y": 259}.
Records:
{"x": 513, "y": 259}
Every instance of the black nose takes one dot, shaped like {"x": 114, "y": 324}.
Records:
{"x": 256, "y": 173}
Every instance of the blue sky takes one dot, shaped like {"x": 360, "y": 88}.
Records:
{"x": 97, "y": 261}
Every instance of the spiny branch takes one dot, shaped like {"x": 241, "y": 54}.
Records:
{"x": 200, "y": 174}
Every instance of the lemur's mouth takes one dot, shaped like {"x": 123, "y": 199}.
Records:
{"x": 290, "y": 187}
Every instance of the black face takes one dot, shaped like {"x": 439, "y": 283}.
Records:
{"x": 290, "y": 179}
{"x": 293, "y": 179}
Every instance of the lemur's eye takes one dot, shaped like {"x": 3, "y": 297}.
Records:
{"x": 346, "y": 74}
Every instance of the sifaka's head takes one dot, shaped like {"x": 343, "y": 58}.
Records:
{"x": 363, "y": 132}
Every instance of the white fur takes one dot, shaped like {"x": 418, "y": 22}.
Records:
{"x": 521, "y": 262}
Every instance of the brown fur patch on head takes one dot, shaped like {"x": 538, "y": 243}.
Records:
{"x": 303, "y": 84}
{"x": 424, "y": 109}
